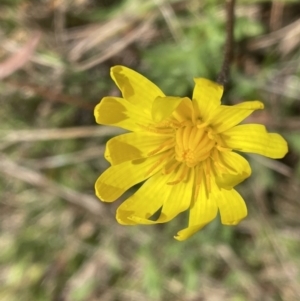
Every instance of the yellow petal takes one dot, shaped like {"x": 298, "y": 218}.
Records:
{"x": 203, "y": 210}
{"x": 232, "y": 206}
{"x": 145, "y": 202}
{"x": 137, "y": 145}
{"x": 180, "y": 196}
{"x": 185, "y": 111}
{"x": 163, "y": 107}
{"x": 227, "y": 117}
{"x": 135, "y": 88}
{"x": 254, "y": 138}
{"x": 173, "y": 198}
{"x": 118, "y": 178}
{"x": 233, "y": 169}
{"x": 206, "y": 97}
{"x": 119, "y": 112}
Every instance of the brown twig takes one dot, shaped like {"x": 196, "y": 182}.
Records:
{"x": 223, "y": 76}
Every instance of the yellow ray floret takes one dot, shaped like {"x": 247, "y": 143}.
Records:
{"x": 184, "y": 150}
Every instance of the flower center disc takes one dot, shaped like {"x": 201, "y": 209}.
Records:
{"x": 193, "y": 145}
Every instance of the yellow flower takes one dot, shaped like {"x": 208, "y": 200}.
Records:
{"x": 183, "y": 149}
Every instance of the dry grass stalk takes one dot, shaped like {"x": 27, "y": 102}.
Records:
{"x": 57, "y": 134}
{"x": 20, "y": 58}
{"x": 84, "y": 201}
{"x": 66, "y": 159}
{"x": 116, "y": 44}
{"x": 287, "y": 38}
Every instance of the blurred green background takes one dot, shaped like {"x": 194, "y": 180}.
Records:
{"x": 57, "y": 242}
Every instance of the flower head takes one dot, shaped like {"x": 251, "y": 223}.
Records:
{"x": 183, "y": 149}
